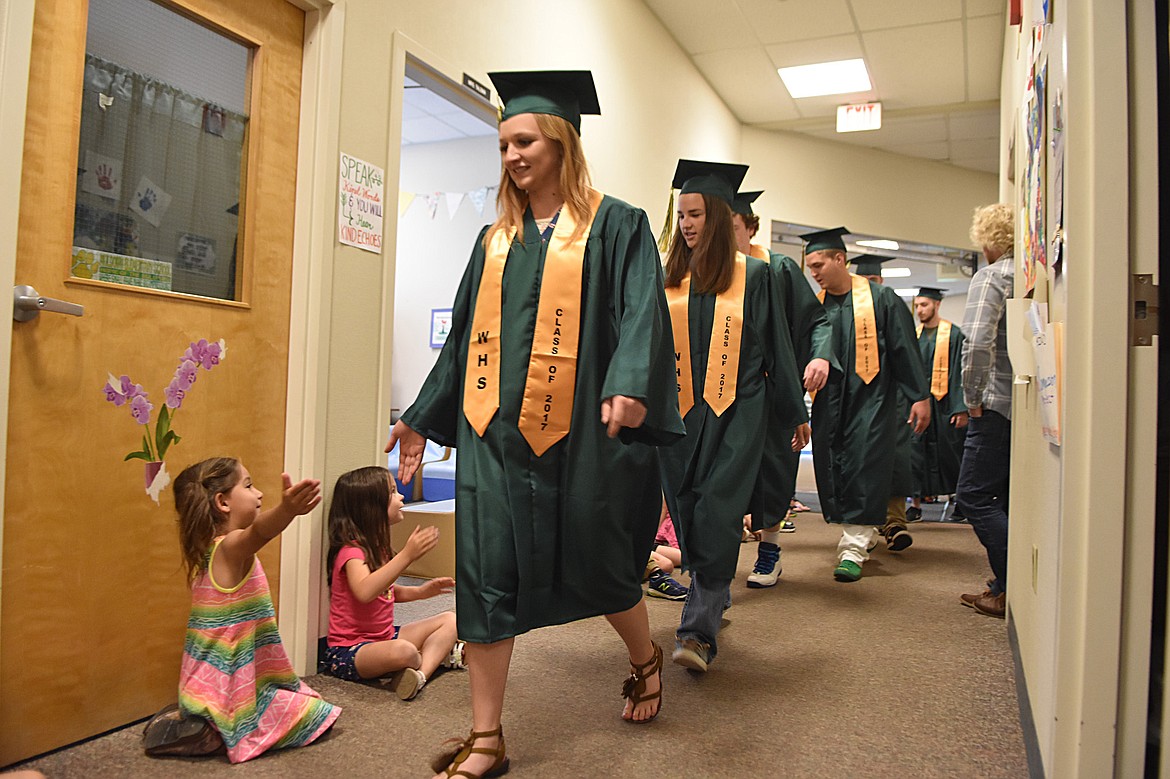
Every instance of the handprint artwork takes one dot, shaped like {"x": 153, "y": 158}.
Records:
{"x": 146, "y": 202}
{"x": 105, "y": 177}
{"x": 150, "y": 201}
{"x": 101, "y": 176}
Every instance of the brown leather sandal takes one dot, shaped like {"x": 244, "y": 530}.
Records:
{"x": 449, "y": 760}
{"x": 634, "y": 688}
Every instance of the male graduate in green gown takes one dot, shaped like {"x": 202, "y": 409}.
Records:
{"x": 897, "y": 535}
{"x": 556, "y": 384}
{"x": 855, "y": 418}
{"x": 811, "y": 336}
{"x": 938, "y": 452}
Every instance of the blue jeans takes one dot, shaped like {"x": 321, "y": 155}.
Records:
{"x": 982, "y": 491}
{"x": 703, "y": 610}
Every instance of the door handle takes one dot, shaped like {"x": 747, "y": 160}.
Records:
{"x": 27, "y": 304}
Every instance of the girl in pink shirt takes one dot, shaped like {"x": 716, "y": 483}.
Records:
{"x": 364, "y": 642}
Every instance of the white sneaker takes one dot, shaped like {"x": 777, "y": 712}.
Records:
{"x": 407, "y": 683}
{"x": 455, "y": 660}
{"x": 767, "y": 568}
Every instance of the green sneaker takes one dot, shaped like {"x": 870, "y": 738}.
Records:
{"x": 847, "y": 571}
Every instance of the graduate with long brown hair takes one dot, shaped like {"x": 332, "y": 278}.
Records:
{"x": 735, "y": 367}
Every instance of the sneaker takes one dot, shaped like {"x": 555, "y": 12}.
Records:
{"x": 847, "y": 571}
{"x": 991, "y": 605}
{"x": 898, "y": 538}
{"x": 913, "y": 514}
{"x": 787, "y": 526}
{"x": 661, "y": 585}
{"x": 455, "y": 660}
{"x": 407, "y": 683}
{"x": 767, "y": 569}
{"x": 692, "y": 654}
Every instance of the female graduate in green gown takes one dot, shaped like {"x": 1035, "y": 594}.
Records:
{"x": 556, "y": 384}
{"x": 735, "y": 366}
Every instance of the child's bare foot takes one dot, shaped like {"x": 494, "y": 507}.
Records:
{"x": 643, "y": 689}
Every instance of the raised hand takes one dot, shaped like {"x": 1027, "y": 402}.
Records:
{"x": 299, "y": 498}
{"x": 421, "y": 541}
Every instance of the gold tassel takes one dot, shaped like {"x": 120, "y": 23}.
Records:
{"x": 667, "y": 228}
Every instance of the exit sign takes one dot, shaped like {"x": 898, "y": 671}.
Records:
{"x": 862, "y": 116}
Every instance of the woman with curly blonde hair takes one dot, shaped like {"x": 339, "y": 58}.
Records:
{"x": 556, "y": 384}
{"x": 982, "y": 491}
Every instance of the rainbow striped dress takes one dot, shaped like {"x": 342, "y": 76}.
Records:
{"x": 236, "y": 674}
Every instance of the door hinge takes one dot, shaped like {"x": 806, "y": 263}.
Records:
{"x": 1143, "y": 302}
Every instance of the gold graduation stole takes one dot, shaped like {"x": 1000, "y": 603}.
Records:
{"x": 722, "y": 371}
{"x": 940, "y": 372}
{"x": 547, "y": 407}
{"x": 865, "y": 345}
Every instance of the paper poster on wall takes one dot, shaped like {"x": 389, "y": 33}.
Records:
{"x": 359, "y": 212}
{"x": 102, "y": 176}
{"x": 196, "y": 253}
{"x": 150, "y": 201}
{"x": 1034, "y": 181}
{"x": 440, "y": 326}
{"x": 121, "y": 269}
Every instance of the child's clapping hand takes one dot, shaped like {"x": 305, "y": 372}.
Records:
{"x": 299, "y": 498}
{"x": 440, "y": 585}
{"x": 421, "y": 541}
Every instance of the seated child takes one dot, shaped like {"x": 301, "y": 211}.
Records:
{"x": 235, "y": 673}
{"x": 364, "y": 642}
{"x": 664, "y": 558}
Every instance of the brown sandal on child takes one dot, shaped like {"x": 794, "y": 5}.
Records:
{"x": 449, "y": 760}
{"x": 634, "y": 688}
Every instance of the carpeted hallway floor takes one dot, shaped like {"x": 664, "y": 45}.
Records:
{"x": 886, "y": 677}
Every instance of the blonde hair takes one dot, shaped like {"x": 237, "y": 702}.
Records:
{"x": 994, "y": 227}
{"x": 511, "y": 201}
{"x": 199, "y": 520}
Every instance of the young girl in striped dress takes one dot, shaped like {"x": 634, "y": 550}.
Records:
{"x": 235, "y": 672}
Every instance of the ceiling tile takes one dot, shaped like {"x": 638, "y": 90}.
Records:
{"x": 469, "y": 124}
{"x": 883, "y": 14}
{"x": 984, "y": 57}
{"x": 930, "y": 151}
{"x": 428, "y": 130}
{"x": 985, "y": 164}
{"x": 701, "y": 26}
{"x": 975, "y": 148}
{"x": 917, "y": 66}
{"x": 793, "y": 20}
{"x": 809, "y": 52}
{"x": 905, "y": 130}
{"x": 973, "y": 124}
{"x": 431, "y": 103}
{"x": 748, "y": 83}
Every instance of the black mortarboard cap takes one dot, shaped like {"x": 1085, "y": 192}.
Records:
{"x": 743, "y": 202}
{"x": 564, "y": 93}
{"x": 869, "y": 264}
{"x": 721, "y": 179}
{"x": 934, "y": 293}
{"x": 819, "y": 240}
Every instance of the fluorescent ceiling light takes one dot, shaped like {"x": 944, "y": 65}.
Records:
{"x": 895, "y": 273}
{"x": 826, "y": 78}
{"x": 881, "y": 243}
{"x": 903, "y": 292}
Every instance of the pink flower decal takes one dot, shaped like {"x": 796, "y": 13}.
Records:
{"x": 123, "y": 391}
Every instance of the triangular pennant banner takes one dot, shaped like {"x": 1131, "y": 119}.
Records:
{"x": 478, "y": 198}
{"x": 432, "y": 201}
{"x": 404, "y": 201}
{"x": 453, "y": 201}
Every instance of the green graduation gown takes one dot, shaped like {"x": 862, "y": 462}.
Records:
{"x": 854, "y": 424}
{"x": 713, "y": 476}
{"x": 551, "y": 539}
{"x": 937, "y": 453}
{"x": 808, "y": 330}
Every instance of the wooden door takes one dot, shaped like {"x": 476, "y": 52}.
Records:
{"x": 94, "y": 597}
